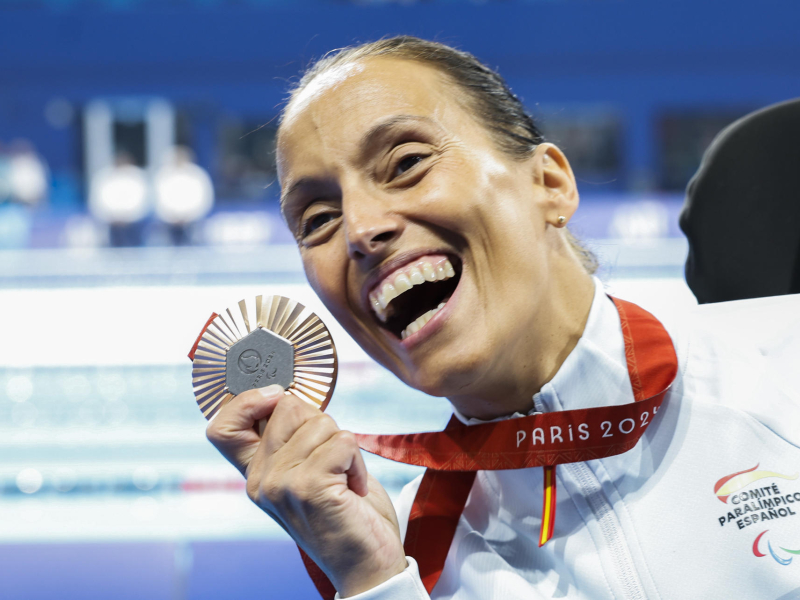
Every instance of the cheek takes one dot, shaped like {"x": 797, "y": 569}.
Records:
{"x": 326, "y": 272}
{"x": 473, "y": 193}
{"x": 326, "y": 276}
{"x": 453, "y": 198}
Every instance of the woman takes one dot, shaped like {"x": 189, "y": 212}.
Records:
{"x": 430, "y": 218}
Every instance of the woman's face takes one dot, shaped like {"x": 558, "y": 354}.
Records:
{"x": 428, "y": 244}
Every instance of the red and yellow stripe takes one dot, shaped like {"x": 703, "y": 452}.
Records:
{"x": 548, "y": 505}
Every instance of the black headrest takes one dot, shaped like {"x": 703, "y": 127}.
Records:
{"x": 742, "y": 210}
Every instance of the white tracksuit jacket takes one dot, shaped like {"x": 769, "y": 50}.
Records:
{"x": 648, "y": 523}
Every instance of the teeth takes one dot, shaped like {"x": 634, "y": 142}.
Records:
{"x": 402, "y": 283}
{"x": 420, "y": 322}
{"x": 428, "y": 272}
{"x": 405, "y": 279}
{"x": 388, "y": 293}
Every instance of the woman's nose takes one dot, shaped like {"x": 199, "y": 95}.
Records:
{"x": 370, "y": 233}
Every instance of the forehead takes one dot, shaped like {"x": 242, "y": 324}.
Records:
{"x": 341, "y": 104}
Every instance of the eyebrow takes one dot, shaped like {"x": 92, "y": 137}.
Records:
{"x": 380, "y": 130}
{"x": 375, "y": 134}
{"x": 297, "y": 185}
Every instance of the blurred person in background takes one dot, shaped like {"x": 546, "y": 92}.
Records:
{"x": 184, "y": 195}
{"x": 742, "y": 209}
{"x": 28, "y": 176}
{"x": 119, "y": 196}
{"x": 24, "y": 183}
{"x": 431, "y": 220}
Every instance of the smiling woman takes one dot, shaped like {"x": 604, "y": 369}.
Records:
{"x": 386, "y": 169}
{"x": 430, "y": 217}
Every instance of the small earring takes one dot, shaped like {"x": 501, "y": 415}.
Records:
{"x": 562, "y": 219}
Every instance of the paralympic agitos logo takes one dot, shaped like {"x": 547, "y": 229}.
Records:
{"x": 750, "y": 505}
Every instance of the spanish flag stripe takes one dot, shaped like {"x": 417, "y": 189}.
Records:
{"x": 548, "y": 505}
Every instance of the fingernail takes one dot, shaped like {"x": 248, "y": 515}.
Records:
{"x": 272, "y": 392}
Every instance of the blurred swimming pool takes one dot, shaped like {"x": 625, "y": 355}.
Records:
{"x": 102, "y": 448}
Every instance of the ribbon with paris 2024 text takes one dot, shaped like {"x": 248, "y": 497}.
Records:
{"x": 453, "y": 456}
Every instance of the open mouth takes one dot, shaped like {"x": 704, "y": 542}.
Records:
{"x": 409, "y": 297}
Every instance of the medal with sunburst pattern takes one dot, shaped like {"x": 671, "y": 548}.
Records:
{"x": 287, "y": 344}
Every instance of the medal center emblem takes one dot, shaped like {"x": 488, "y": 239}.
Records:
{"x": 249, "y": 361}
{"x": 259, "y": 359}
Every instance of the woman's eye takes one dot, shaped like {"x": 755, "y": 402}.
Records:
{"x": 407, "y": 163}
{"x": 316, "y": 222}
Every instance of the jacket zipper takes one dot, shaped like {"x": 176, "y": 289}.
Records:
{"x": 610, "y": 528}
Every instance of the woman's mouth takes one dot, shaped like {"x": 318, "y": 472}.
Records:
{"x": 406, "y": 299}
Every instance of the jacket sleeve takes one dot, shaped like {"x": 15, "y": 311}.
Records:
{"x": 753, "y": 346}
{"x": 404, "y": 586}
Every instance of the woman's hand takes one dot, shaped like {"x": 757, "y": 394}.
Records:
{"x": 310, "y": 477}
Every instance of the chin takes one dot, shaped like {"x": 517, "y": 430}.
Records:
{"x": 455, "y": 375}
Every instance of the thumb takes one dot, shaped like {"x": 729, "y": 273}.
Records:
{"x": 233, "y": 430}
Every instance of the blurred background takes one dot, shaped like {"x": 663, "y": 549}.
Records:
{"x": 138, "y": 195}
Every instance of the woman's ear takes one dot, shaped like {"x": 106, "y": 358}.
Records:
{"x": 553, "y": 173}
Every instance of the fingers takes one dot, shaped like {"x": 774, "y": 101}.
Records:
{"x": 301, "y": 445}
{"x": 232, "y": 430}
{"x": 341, "y": 454}
{"x": 309, "y": 436}
{"x": 287, "y": 480}
{"x": 321, "y": 447}
{"x": 288, "y": 417}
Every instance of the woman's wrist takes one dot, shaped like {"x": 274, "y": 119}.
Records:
{"x": 364, "y": 579}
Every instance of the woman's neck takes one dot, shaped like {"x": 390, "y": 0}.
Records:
{"x": 530, "y": 361}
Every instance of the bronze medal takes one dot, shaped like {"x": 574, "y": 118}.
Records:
{"x": 286, "y": 344}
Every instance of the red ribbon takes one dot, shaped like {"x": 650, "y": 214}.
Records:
{"x": 453, "y": 456}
